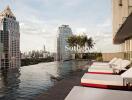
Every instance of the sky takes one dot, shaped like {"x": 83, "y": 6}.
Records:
{"x": 40, "y": 19}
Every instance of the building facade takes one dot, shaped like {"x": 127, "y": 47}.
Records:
{"x": 63, "y": 52}
{"x": 122, "y": 22}
{"x": 10, "y": 39}
{"x": 1, "y": 52}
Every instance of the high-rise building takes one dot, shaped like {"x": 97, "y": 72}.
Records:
{"x": 1, "y": 52}
{"x": 9, "y": 39}
{"x": 63, "y": 53}
{"x": 122, "y": 26}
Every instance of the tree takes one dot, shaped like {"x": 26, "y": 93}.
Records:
{"x": 72, "y": 42}
{"x": 90, "y": 43}
{"x": 80, "y": 42}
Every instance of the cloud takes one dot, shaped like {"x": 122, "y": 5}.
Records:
{"x": 39, "y": 20}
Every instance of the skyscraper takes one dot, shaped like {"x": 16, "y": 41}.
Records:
{"x": 63, "y": 53}
{"x": 9, "y": 39}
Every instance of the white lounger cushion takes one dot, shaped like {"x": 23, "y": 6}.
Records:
{"x": 113, "y": 60}
{"x": 123, "y": 65}
{"x": 127, "y": 74}
{"x": 103, "y": 79}
{"x": 117, "y": 66}
{"x": 103, "y": 63}
{"x": 102, "y": 69}
{"x": 117, "y": 62}
{"x": 85, "y": 93}
{"x": 100, "y": 63}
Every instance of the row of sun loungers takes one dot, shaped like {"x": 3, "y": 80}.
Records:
{"x": 105, "y": 76}
{"x": 122, "y": 81}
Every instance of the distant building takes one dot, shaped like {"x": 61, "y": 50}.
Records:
{"x": 122, "y": 26}
{"x": 54, "y": 55}
{"x": 9, "y": 39}
{"x": 63, "y": 53}
{"x": 36, "y": 54}
{"x": 45, "y": 53}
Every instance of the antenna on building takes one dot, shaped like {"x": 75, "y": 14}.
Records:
{"x": 44, "y": 48}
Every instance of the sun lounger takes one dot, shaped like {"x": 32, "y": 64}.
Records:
{"x": 117, "y": 62}
{"x": 122, "y": 65}
{"x": 107, "y": 81}
{"x": 102, "y": 80}
{"x": 116, "y": 67}
{"x": 85, "y": 93}
{"x": 102, "y": 69}
{"x": 104, "y": 64}
{"x": 127, "y": 76}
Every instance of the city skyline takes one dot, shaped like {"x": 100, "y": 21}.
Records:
{"x": 40, "y": 19}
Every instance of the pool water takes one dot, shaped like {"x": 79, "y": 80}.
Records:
{"x": 27, "y": 82}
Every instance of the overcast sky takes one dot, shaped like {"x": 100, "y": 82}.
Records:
{"x": 39, "y": 20}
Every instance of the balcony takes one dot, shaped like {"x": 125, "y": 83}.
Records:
{"x": 124, "y": 32}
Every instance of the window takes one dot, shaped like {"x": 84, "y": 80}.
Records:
{"x": 120, "y": 2}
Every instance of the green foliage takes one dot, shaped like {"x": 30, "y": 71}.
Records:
{"x": 71, "y": 41}
{"x": 93, "y": 56}
{"x": 99, "y": 59}
{"x": 80, "y": 42}
{"x": 32, "y": 61}
{"x": 90, "y": 43}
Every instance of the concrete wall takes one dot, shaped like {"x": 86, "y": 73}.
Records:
{"x": 120, "y": 12}
{"x": 109, "y": 56}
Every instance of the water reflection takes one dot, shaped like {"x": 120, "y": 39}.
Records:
{"x": 9, "y": 83}
{"x": 28, "y": 81}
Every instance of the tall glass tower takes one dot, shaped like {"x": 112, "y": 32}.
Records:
{"x": 63, "y": 53}
{"x": 10, "y": 39}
